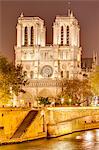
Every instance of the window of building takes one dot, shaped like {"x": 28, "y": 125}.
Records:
{"x": 32, "y": 35}
{"x": 31, "y": 74}
{"x": 62, "y": 35}
{"x": 67, "y": 74}
{"x": 26, "y": 36}
{"x": 68, "y": 35}
{"x": 61, "y": 74}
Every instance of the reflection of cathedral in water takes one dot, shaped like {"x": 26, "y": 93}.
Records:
{"x": 45, "y": 65}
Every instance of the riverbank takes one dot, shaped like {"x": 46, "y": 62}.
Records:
{"x": 23, "y": 124}
{"x": 19, "y": 140}
{"x": 79, "y": 140}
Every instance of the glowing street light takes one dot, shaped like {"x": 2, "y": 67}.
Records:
{"x": 62, "y": 100}
{"x": 70, "y": 100}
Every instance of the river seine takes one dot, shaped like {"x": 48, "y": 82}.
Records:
{"x": 87, "y": 140}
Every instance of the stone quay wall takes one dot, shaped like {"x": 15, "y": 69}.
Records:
{"x": 49, "y": 122}
{"x": 67, "y": 120}
{"x": 11, "y": 119}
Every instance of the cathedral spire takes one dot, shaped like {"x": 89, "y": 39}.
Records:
{"x": 68, "y": 7}
{"x": 70, "y": 12}
{"x": 21, "y": 15}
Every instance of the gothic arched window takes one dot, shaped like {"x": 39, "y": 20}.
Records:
{"x": 32, "y": 35}
{"x": 61, "y": 74}
{"x": 68, "y": 35}
{"x": 67, "y": 74}
{"x": 26, "y": 36}
{"x": 62, "y": 35}
{"x": 31, "y": 74}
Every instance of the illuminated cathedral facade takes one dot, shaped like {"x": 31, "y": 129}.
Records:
{"x": 46, "y": 65}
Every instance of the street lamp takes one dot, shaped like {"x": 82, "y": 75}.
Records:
{"x": 62, "y": 101}
{"x": 96, "y": 101}
{"x": 43, "y": 115}
{"x": 52, "y": 103}
{"x": 70, "y": 100}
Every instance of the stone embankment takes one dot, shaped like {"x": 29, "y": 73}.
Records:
{"x": 67, "y": 120}
{"x": 23, "y": 124}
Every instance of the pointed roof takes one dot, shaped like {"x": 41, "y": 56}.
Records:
{"x": 21, "y": 14}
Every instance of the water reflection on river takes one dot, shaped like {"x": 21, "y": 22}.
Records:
{"x": 88, "y": 140}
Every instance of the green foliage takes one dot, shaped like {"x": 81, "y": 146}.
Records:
{"x": 94, "y": 79}
{"x": 76, "y": 90}
{"x": 10, "y": 77}
{"x": 18, "y": 79}
{"x": 43, "y": 100}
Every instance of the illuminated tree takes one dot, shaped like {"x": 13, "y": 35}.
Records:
{"x": 11, "y": 77}
{"x": 94, "y": 79}
{"x": 75, "y": 91}
{"x": 43, "y": 101}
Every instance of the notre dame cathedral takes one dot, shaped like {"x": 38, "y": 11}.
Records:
{"x": 47, "y": 65}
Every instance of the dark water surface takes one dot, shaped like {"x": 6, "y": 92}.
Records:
{"x": 88, "y": 140}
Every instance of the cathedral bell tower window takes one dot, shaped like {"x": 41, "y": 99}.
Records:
{"x": 26, "y": 36}
{"x": 32, "y": 34}
{"x": 67, "y": 35}
{"x": 61, "y": 74}
{"x": 62, "y": 35}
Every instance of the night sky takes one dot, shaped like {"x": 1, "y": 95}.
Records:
{"x": 86, "y": 11}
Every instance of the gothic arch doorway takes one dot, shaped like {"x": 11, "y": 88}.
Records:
{"x": 45, "y": 93}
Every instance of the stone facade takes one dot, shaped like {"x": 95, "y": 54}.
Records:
{"x": 46, "y": 65}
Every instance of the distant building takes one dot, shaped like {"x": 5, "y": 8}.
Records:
{"x": 88, "y": 65}
{"x": 47, "y": 65}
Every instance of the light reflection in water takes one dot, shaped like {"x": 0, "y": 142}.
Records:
{"x": 97, "y": 134}
{"x": 89, "y": 140}
{"x": 88, "y": 136}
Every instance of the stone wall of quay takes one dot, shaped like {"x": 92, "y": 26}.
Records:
{"x": 64, "y": 120}
{"x": 10, "y": 120}
{"x": 49, "y": 122}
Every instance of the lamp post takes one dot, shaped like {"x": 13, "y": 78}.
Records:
{"x": 43, "y": 115}
{"x": 70, "y": 100}
{"x": 52, "y": 104}
{"x": 62, "y": 101}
